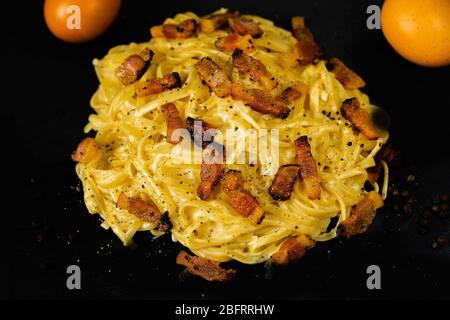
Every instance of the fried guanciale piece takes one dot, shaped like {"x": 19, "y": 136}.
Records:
{"x": 361, "y": 215}
{"x": 239, "y": 199}
{"x": 246, "y": 205}
{"x": 255, "y": 68}
{"x": 207, "y": 26}
{"x": 86, "y": 151}
{"x": 359, "y": 118}
{"x": 202, "y": 134}
{"x": 292, "y": 250}
{"x": 234, "y": 41}
{"x": 217, "y": 21}
{"x": 145, "y": 210}
{"x": 306, "y": 47}
{"x": 174, "y": 122}
{"x": 210, "y": 173}
{"x": 308, "y": 167}
{"x": 283, "y": 183}
{"x": 307, "y": 52}
{"x": 299, "y": 30}
{"x": 186, "y": 29}
{"x": 244, "y": 26}
{"x": 390, "y": 154}
{"x": 348, "y": 78}
{"x": 260, "y": 101}
{"x": 373, "y": 173}
{"x": 232, "y": 181}
{"x": 289, "y": 96}
{"x": 155, "y": 86}
{"x": 204, "y": 268}
{"x": 133, "y": 67}
{"x": 215, "y": 78}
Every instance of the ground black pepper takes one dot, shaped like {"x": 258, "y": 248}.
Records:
{"x": 407, "y": 208}
{"x": 442, "y": 240}
{"x": 395, "y": 192}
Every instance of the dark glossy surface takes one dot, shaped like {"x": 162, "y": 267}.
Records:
{"x": 50, "y": 90}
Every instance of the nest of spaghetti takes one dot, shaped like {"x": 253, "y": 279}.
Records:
{"x": 236, "y": 137}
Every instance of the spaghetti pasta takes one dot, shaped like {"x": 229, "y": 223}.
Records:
{"x": 137, "y": 160}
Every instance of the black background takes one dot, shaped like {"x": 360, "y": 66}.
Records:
{"x": 49, "y": 84}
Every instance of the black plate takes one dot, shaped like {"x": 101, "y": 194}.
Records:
{"x": 50, "y": 84}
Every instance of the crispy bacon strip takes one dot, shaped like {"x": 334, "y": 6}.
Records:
{"x": 123, "y": 201}
{"x": 308, "y": 167}
{"x": 210, "y": 173}
{"x": 307, "y": 52}
{"x": 207, "y": 26}
{"x": 391, "y": 155}
{"x": 173, "y": 120}
{"x": 244, "y": 26}
{"x": 361, "y": 215}
{"x": 289, "y": 96}
{"x": 168, "y": 31}
{"x": 185, "y": 29}
{"x": 86, "y": 151}
{"x": 233, "y": 41}
{"x": 202, "y": 135}
{"x": 373, "y": 173}
{"x": 306, "y": 48}
{"x": 246, "y": 205}
{"x": 217, "y": 21}
{"x": 299, "y": 29}
{"x": 359, "y": 118}
{"x": 260, "y": 100}
{"x": 388, "y": 153}
{"x": 221, "y": 19}
{"x": 204, "y": 268}
{"x": 239, "y": 199}
{"x": 255, "y": 68}
{"x": 232, "y": 181}
{"x": 145, "y": 210}
{"x": 283, "y": 183}
{"x": 347, "y": 77}
{"x": 292, "y": 250}
{"x": 133, "y": 67}
{"x": 155, "y": 86}
{"x": 215, "y": 78}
